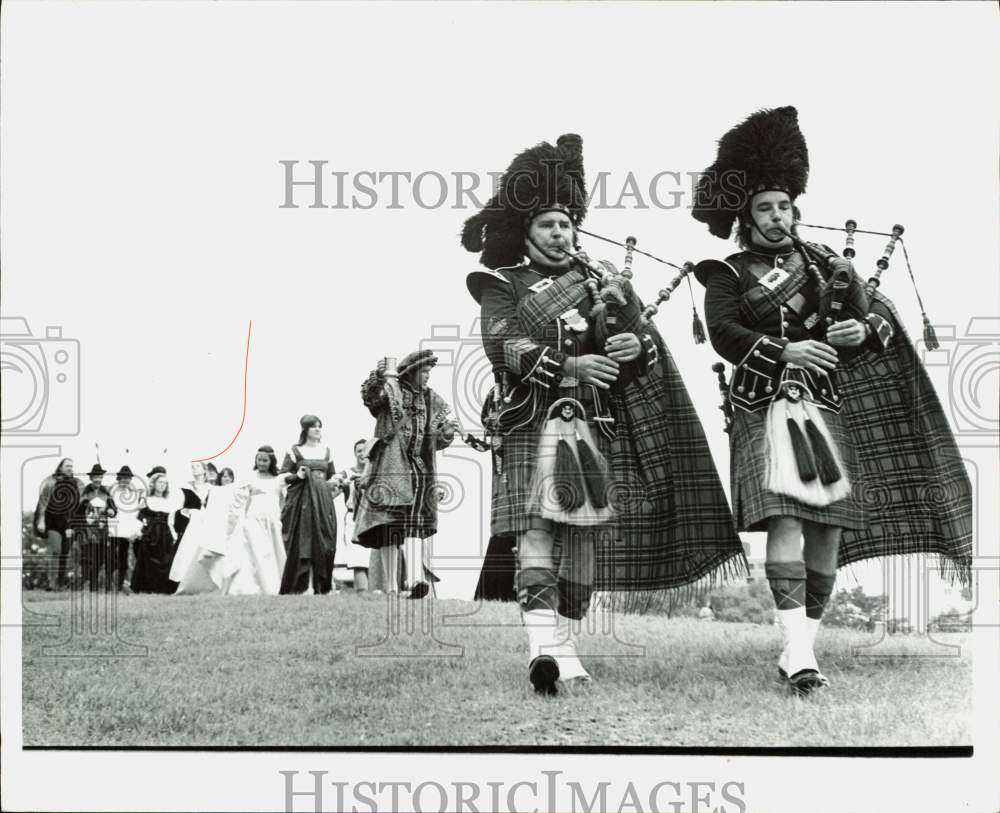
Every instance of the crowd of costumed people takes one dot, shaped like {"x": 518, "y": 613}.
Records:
{"x": 273, "y": 529}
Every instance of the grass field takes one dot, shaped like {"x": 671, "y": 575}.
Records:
{"x": 286, "y": 671}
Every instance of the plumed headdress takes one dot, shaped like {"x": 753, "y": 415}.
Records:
{"x": 766, "y": 151}
{"x": 542, "y": 178}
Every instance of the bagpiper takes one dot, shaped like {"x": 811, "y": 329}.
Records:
{"x": 602, "y": 473}
{"x": 838, "y": 441}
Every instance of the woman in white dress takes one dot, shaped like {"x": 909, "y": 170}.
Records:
{"x": 198, "y": 564}
{"x": 256, "y": 554}
{"x": 355, "y": 556}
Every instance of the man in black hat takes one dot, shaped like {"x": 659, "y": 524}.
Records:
{"x": 398, "y": 504}
{"x": 601, "y": 472}
{"x": 96, "y": 488}
{"x": 830, "y": 401}
{"x": 96, "y": 507}
{"x": 125, "y": 498}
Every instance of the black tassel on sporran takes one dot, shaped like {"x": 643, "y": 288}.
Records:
{"x": 595, "y": 475}
{"x": 570, "y": 488}
{"x": 826, "y": 463}
{"x": 803, "y": 457}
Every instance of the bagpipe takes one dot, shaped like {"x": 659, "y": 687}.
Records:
{"x": 615, "y": 309}
{"x": 850, "y": 228}
{"x": 572, "y": 476}
{"x": 838, "y": 299}
{"x": 803, "y": 461}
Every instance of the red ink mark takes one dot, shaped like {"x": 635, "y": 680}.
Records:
{"x": 246, "y": 369}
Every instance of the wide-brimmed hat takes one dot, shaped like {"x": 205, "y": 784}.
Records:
{"x": 416, "y": 360}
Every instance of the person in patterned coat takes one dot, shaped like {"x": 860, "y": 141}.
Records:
{"x": 398, "y": 503}
{"x": 831, "y": 406}
{"x": 602, "y": 474}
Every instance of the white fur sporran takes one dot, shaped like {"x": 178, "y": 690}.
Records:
{"x": 549, "y": 484}
{"x": 787, "y": 456}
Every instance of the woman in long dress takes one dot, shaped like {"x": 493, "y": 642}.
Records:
{"x": 355, "y": 556}
{"x": 308, "y": 520}
{"x": 155, "y": 549}
{"x": 197, "y": 567}
{"x": 255, "y": 560}
{"x": 195, "y": 496}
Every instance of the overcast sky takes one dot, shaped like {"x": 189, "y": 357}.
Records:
{"x": 142, "y": 194}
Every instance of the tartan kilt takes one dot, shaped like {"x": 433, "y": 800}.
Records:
{"x": 916, "y": 485}
{"x": 511, "y": 496}
{"x": 671, "y": 526}
{"x": 387, "y": 525}
{"x": 753, "y": 504}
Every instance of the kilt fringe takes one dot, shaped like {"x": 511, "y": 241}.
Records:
{"x": 663, "y": 520}
{"x": 639, "y": 602}
{"x": 913, "y": 477}
{"x": 951, "y": 569}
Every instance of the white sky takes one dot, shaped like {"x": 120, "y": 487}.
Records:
{"x": 141, "y": 191}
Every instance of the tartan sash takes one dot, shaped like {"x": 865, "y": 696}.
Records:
{"x": 760, "y": 301}
{"x": 538, "y": 313}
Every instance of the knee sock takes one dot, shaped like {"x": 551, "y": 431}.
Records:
{"x": 412, "y": 550}
{"x": 819, "y": 586}
{"x": 788, "y": 583}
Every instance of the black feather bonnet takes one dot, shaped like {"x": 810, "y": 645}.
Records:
{"x": 542, "y": 178}
{"x": 766, "y": 151}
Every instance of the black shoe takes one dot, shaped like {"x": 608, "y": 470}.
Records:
{"x": 420, "y": 589}
{"x": 543, "y": 672}
{"x": 805, "y": 682}
{"x": 783, "y": 677}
